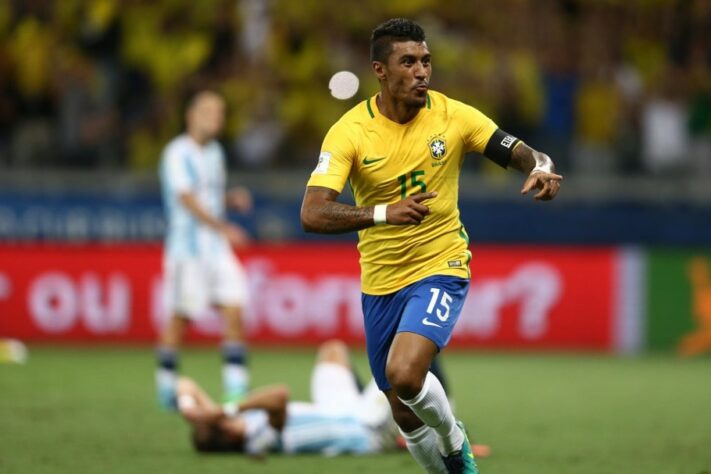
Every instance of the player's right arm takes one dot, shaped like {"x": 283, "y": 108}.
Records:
{"x": 236, "y": 235}
{"x": 194, "y": 404}
{"x": 321, "y": 213}
{"x": 180, "y": 182}
{"x": 271, "y": 399}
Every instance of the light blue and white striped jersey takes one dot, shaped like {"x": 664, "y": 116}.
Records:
{"x": 186, "y": 166}
{"x": 311, "y": 429}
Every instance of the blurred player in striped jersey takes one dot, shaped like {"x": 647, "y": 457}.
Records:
{"x": 339, "y": 419}
{"x": 200, "y": 269}
{"x": 401, "y": 150}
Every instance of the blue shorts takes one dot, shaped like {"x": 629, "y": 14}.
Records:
{"x": 429, "y": 307}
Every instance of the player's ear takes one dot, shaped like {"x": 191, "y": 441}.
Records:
{"x": 379, "y": 70}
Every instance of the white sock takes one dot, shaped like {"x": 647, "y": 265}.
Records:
{"x": 432, "y": 407}
{"x": 422, "y": 444}
{"x": 166, "y": 379}
{"x": 235, "y": 379}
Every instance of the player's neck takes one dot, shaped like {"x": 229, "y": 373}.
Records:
{"x": 395, "y": 110}
{"x": 198, "y": 138}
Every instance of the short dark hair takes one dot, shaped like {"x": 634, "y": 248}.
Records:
{"x": 208, "y": 438}
{"x": 392, "y": 31}
{"x": 194, "y": 96}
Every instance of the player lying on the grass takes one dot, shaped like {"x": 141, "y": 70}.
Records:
{"x": 339, "y": 419}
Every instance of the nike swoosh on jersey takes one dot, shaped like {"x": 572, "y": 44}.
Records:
{"x": 369, "y": 161}
{"x": 427, "y": 322}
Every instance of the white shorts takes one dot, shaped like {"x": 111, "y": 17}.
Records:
{"x": 191, "y": 286}
{"x": 334, "y": 390}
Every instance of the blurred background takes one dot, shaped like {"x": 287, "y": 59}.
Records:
{"x": 606, "y": 87}
{"x": 617, "y": 92}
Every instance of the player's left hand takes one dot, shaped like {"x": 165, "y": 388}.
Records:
{"x": 236, "y": 235}
{"x": 548, "y": 183}
{"x": 239, "y": 198}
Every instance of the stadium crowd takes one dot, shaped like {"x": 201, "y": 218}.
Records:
{"x": 605, "y": 87}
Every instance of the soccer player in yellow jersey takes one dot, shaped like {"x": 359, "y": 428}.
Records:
{"x": 401, "y": 151}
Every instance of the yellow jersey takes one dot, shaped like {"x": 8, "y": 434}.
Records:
{"x": 385, "y": 162}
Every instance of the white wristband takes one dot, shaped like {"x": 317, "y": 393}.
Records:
{"x": 380, "y": 214}
{"x": 186, "y": 402}
{"x": 545, "y": 168}
{"x": 230, "y": 409}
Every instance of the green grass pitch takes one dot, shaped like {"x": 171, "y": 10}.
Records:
{"x": 72, "y": 410}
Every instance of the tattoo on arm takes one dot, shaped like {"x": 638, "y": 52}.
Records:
{"x": 338, "y": 217}
{"x": 321, "y": 213}
{"x": 524, "y": 158}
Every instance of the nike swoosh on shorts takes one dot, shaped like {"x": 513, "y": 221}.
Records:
{"x": 427, "y": 322}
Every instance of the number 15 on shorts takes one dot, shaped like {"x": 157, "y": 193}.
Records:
{"x": 438, "y": 307}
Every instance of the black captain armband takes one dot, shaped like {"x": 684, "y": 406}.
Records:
{"x": 500, "y": 146}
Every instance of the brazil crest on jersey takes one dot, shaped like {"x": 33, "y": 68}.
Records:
{"x": 385, "y": 162}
